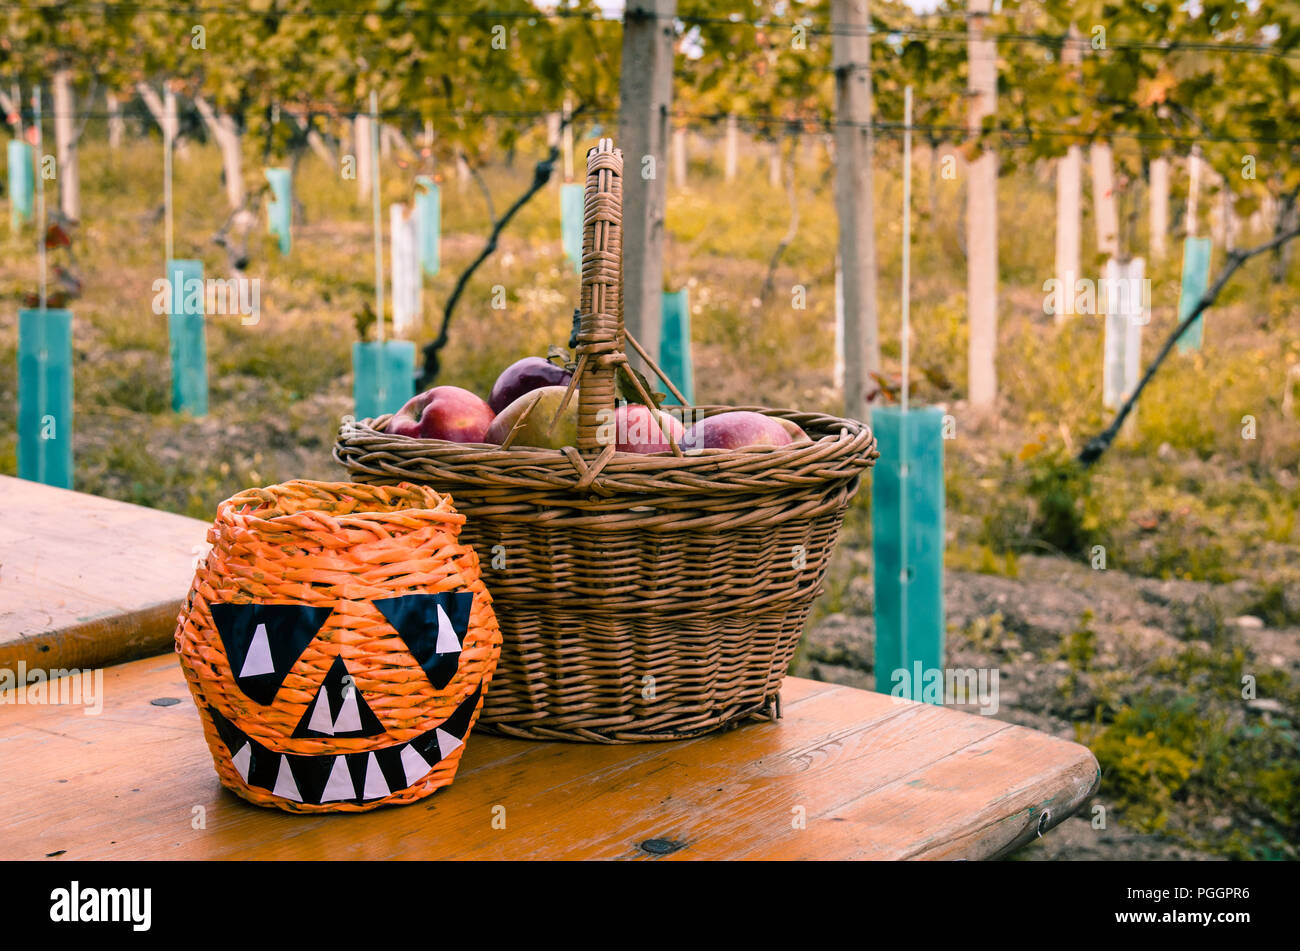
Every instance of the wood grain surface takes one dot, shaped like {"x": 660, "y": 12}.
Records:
{"x": 845, "y": 774}
{"x": 86, "y": 581}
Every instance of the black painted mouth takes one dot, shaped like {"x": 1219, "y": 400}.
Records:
{"x": 345, "y": 777}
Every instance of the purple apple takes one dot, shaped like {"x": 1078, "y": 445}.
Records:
{"x": 524, "y": 376}
{"x": 735, "y": 430}
{"x": 637, "y": 430}
{"x": 444, "y": 412}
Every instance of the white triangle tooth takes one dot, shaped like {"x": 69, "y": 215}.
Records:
{"x": 243, "y": 760}
{"x": 376, "y": 787}
{"x": 447, "y": 743}
{"x": 285, "y": 787}
{"x": 339, "y": 785}
{"x": 414, "y": 765}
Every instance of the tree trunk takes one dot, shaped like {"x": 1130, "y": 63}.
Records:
{"x": 1159, "y": 208}
{"x": 1067, "y": 223}
{"x": 646, "y": 95}
{"x": 730, "y": 156}
{"x": 1104, "y": 204}
{"x": 65, "y": 144}
{"x": 116, "y": 124}
{"x": 462, "y": 172}
{"x": 774, "y": 165}
{"x": 164, "y": 112}
{"x": 1286, "y": 219}
{"x": 226, "y": 134}
{"x": 316, "y": 141}
{"x": 851, "y": 62}
{"x": 982, "y": 218}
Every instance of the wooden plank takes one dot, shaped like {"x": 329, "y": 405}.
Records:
{"x": 871, "y": 777}
{"x": 86, "y": 581}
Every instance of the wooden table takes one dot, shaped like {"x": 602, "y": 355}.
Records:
{"x": 844, "y": 774}
{"x": 86, "y": 581}
{"x": 865, "y": 777}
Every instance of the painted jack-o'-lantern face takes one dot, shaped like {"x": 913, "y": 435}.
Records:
{"x": 267, "y": 643}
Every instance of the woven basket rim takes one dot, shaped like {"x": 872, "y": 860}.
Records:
{"x": 844, "y": 442}
{"x": 375, "y": 504}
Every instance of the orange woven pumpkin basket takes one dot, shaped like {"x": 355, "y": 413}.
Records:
{"x": 338, "y": 642}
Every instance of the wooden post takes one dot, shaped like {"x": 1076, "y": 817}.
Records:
{"x": 851, "y": 61}
{"x": 65, "y": 144}
{"x": 646, "y": 92}
{"x": 679, "y": 156}
{"x": 1067, "y": 196}
{"x": 1159, "y": 197}
{"x": 361, "y": 152}
{"x": 567, "y": 145}
{"x": 730, "y": 156}
{"x": 1067, "y": 222}
{"x": 982, "y": 218}
{"x": 1104, "y": 204}
{"x": 172, "y": 116}
{"x": 1193, "y": 189}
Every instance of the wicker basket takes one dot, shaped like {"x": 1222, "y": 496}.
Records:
{"x": 641, "y": 597}
{"x": 338, "y": 642}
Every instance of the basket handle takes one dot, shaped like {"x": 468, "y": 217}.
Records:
{"x": 601, "y": 336}
{"x": 600, "y": 326}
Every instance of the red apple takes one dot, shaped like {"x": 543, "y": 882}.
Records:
{"x": 636, "y": 429}
{"x": 444, "y": 412}
{"x": 524, "y": 376}
{"x": 735, "y": 430}
{"x": 406, "y": 421}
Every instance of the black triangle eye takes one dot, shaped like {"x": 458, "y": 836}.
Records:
{"x": 434, "y": 627}
{"x": 264, "y": 641}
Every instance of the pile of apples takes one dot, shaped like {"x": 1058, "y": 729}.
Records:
{"x": 455, "y": 414}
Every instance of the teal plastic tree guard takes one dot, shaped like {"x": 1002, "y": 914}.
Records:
{"x": 675, "y": 344}
{"x": 571, "y": 200}
{"x": 383, "y": 376}
{"x": 1196, "y": 278}
{"x": 907, "y": 505}
{"x": 22, "y": 183}
{"x": 279, "y": 210}
{"x": 185, "y": 329}
{"x": 45, "y": 396}
{"x": 428, "y": 210}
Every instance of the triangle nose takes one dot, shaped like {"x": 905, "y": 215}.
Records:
{"x": 338, "y": 709}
